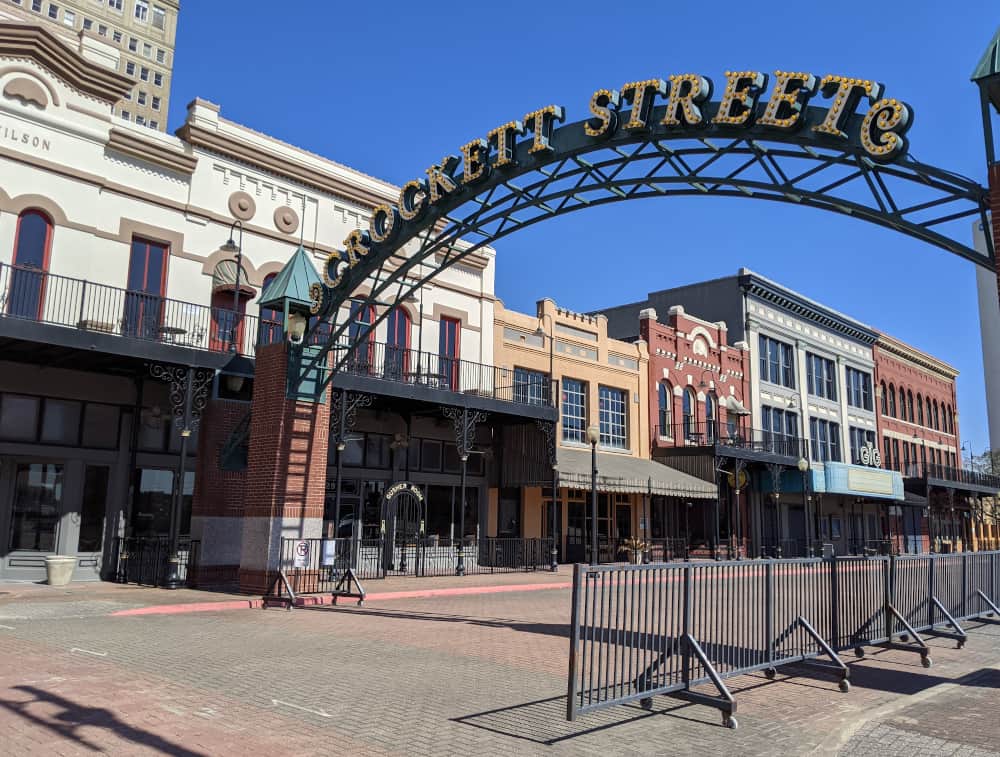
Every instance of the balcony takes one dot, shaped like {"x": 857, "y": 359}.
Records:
{"x": 95, "y": 317}
{"x": 957, "y": 478}
{"x": 92, "y": 309}
{"x": 726, "y": 440}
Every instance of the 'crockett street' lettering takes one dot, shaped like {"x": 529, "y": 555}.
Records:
{"x": 843, "y": 109}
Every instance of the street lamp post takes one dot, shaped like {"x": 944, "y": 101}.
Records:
{"x": 540, "y": 331}
{"x": 593, "y": 436}
{"x": 233, "y": 248}
{"x": 803, "y": 466}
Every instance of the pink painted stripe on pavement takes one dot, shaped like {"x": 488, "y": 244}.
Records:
{"x": 233, "y": 604}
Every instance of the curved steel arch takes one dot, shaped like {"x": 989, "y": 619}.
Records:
{"x": 579, "y": 172}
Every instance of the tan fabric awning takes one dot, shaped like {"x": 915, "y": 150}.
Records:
{"x": 629, "y": 475}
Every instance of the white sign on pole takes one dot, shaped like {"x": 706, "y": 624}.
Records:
{"x": 301, "y": 555}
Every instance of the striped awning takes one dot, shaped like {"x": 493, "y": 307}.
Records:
{"x": 629, "y": 475}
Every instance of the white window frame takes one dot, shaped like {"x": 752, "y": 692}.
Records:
{"x": 141, "y": 11}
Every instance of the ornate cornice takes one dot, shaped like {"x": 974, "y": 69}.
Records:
{"x": 913, "y": 355}
{"x": 801, "y": 307}
{"x": 150, "y": 150}
{"x": 40, "y": 45}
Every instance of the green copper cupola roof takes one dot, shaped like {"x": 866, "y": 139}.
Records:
{"x": 292, "y": 283}
{"x": 989, "y": 64}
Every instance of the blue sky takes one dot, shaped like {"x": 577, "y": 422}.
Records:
{"x": 389, "y": 88}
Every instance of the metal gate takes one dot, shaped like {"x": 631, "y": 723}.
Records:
{"x": 404, "y": 518}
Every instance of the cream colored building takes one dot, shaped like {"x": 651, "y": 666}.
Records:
{"x": 111, "y": 259}
{"x": 602, "y": 383}
{"x": 133, "y": 37}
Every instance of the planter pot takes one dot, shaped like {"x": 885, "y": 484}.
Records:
{"x": 59, "y": 569}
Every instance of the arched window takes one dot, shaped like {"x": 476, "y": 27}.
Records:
{"x": 929, "y": 415}
{"x": 397, "y": 344}
{"x": 937, "y": 417}
{"x": 885, "y": 400}
{"x": 32, "y": 244}
{"x": 910, "y": 416}
{"x": 688, "y": 409}
{"x": 710, "y": 416}
{"x": 892, "y": 401}
{"x": 361, "y": 315}
{"x": 665, "y": 401}
{"x": 920, "y": 409}
{"x": 951, "y": 420}
{"x": 270, "y": 319}
{"x": 902, "y": 403}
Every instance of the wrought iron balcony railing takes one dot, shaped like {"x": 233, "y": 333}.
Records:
{"x": 700, "y": 434}
{"x": 33, "y": 295}
{"x": 400, "y": 365}
{"x": 42, "y": 297}
{"x": 948, "y": 473}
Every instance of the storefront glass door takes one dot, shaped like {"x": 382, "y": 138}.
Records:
{"x": 38, "y": 494}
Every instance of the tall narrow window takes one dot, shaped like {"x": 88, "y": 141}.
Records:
{"x": 690, "y": 418}
{"x": 665, "y": 400}
{"x": 397, "y": 345}
{"x": 227, "y": 324}
{"x": 449, "y": 351}
{"x": 902, "y": 403}
{"x": 362, "y": 316}
{"x": 574, "y": 410}
{"x": 885, "y": 400}
{"x": 147, "y": 279}
{"x": 951, "y": 421}
{"x": 937, "y": 417}
{"x": 911, "y": 416}
{"x": 892, "y": 401}
{"x": 710, "y": 407}
{"x": 920, "y": 409}
{"x": 612, "y": 415}
{"x": 32, "y": 245}
{"x": 270, "y": 319}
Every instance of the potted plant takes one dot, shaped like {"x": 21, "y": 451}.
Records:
{"x": 635, "y": 548}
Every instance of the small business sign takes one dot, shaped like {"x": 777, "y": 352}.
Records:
{"x": 869, "y": 455}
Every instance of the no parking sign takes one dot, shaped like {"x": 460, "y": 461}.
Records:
{"x": 301, "y": 559}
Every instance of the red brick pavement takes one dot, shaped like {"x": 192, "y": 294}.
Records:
{"x": 450, "y": 675}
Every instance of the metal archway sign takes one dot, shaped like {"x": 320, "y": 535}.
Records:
{"x": 655, "y": 138}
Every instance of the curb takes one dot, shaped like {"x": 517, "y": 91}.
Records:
{"x": 234, "y": 604}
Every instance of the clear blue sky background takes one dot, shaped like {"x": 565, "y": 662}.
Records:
{"x": 390, "y": 87}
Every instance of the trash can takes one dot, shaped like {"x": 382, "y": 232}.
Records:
{"x": 59, "y": 569}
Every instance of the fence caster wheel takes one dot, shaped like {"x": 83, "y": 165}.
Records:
{"x": 770, "y": 673}
{"x": 361, "y": 603}
{"x": 961, "y": 644}
{"x": 926, "y": 661}
{"x": 730, "y": 722}
{"x": 859, "y": 652}
{"x": 904, "y": 637}
{"x": 646, "y": 703}
{"x": 845, "y": 686}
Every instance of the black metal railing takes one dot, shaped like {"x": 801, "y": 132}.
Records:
{"x": 641, "y": 631}
{"x": 699, "y": 434}
{"x": 406, "y": 366}
{"x": 949, "y": 473}
{"x": 145, "y": 560}
{"x": 316, "y": 566}
{"x": 29, "y": 294}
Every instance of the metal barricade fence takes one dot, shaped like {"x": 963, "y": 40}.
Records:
{"x": 644, "y": 630}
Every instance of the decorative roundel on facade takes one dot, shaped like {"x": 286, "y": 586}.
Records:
{"x": 242, "y": 206}
{"x": 286, "y": 220}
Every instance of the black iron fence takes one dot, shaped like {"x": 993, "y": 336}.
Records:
{"x": 949, "y": 473}
{"x": 400, "y": 365}
{"x": 641, "y": 631}
{"x": 145, "y": 560}
{"x": 318, "y": 566}
{"x": 30, "y": 294}
{"x": 696, "y": 434}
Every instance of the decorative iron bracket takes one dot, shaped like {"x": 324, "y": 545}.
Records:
{"x": 465, "y": 422}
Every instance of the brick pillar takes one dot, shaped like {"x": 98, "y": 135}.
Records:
{"x": 217, "y": 510}
{"x": 286, "y": 472}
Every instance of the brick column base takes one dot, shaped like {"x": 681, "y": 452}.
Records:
{"x": 286, "y": 473}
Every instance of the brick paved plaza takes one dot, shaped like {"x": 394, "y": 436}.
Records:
{"x": 454, "y": 674}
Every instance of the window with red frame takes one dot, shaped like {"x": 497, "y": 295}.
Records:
{"x": 397, "y": 343}
{"x": 270, "y": 319}
{"x": 32, "y": 244}
{"x": 147, "y": 280}
{"x": 448, "y": 351}
{"x": 227, "y": 326}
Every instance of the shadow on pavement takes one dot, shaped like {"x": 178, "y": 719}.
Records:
{"x": 72, "y": 716}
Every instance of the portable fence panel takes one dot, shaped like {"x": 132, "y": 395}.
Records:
{"x": 799, "y": 589}
{"x": 626, "y": 632}
{"x": 729, "y": 601}
{"x": 949, "y": 580}
{"x": 982, "y": 571}
{"x": 912, "y": 591}
{"x": 860, "y": 598}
